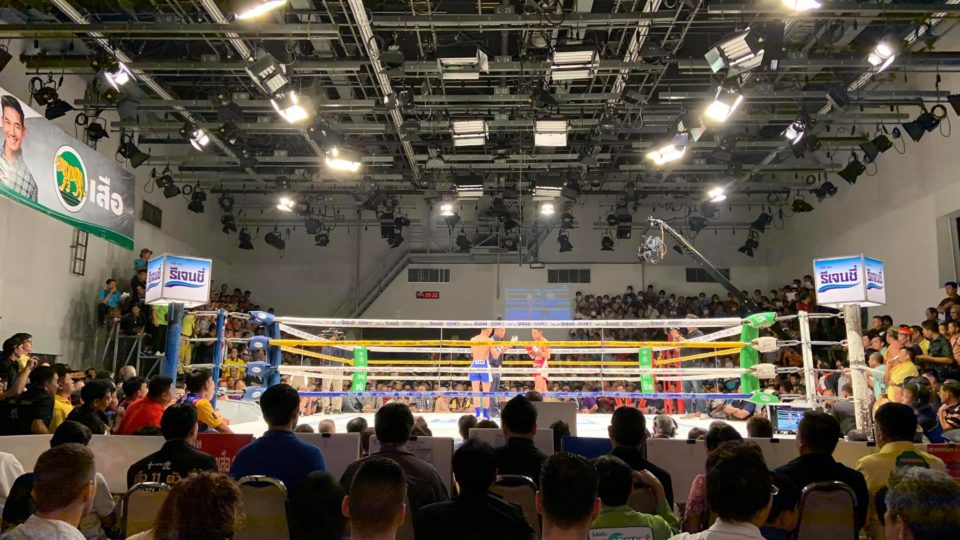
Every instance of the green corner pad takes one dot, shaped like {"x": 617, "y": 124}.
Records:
{"x": 109, "y": 235}
{"x": 763, "y": 398}
{"x": 761, "y": 320}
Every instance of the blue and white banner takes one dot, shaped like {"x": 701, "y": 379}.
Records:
{"x": 174, "y": 278}
{"x": 849, "y": 280}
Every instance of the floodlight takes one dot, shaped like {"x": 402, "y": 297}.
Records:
{"x": 874, "y": 147}
{"x": 463, "y": 64}
{"x": 794, "y": 132}
{"x": 469, "y": 132}
{"x": 852, "y": 171}
{"x": 446, "y": 209}
{"x": 229, "y": 223}
{"x": 547, "y": 209}
{"x": 246, "y": 242}
{"x": 96, "y": 131}
{"x": 761, "y": 223}
{"x": 469, "y": 186}
{"x": 724, "y": 104}
{"x": 197, "y": 198}
{"x": 290, "y": 106}
{"x": 285, "y": 203}
{"x": 128, "y": 150}
{"x": 550, "y": 133}
{"x": 882, "y": 55}
{"x": 670, "y": 151}
{"x": 802, "y": 5}
{"x": 268, "y": 73}
{"x": 799, "y": 205}
{"x": 573, "y": 63}
{"x": 741, "y": 50}
{"x": 259, "y": 8}
{"x": 565, "y": 245}
{"x": 343, "y": 159}
{"x": 824, "y": 191}
{"x": 717, "y": 194}
{"x": 197, "y": 136}
{"x": 117, "y": 74}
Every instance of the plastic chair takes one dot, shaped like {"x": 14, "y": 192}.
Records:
{"x": 638, "y": 533}
{"x": 265, "y": 503}
{"x": 827, "y": 511}
{"x": 643, "y": 499}
{"x": 141, "y": 504}
{"x": 522, "y": 491}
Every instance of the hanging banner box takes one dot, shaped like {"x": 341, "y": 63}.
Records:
{"x": 175, "y": 278}
{"x": 855, "y": 279}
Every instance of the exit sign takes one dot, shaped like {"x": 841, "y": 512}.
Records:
{"x": 428, "y": 295}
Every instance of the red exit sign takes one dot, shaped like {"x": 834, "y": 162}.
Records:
{"x": 428, "y": 295}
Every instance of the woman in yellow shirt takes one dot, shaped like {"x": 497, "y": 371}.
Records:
{"x": 900, "y": 367}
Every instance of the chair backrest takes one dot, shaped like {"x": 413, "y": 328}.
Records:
{"x": 643, "y": 499}
{"x": 522, "y": 491}
{"x": 638, "y": 533}
{"x": 265, "y": 504}
{"x": 405, "y": 531}
{"x": 827, "y": 511}
{"x": 141, "y": 504}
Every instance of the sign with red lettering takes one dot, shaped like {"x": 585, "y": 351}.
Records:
{"x": 950, "y": 454}
{"x": 428, "y": 295}
{"x": 222, "y": 446}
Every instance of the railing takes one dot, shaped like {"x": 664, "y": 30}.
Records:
{"x": 121, "y": 351}
{"x": 373, "y": 284}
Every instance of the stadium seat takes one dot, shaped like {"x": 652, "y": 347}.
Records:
{"x": 522, "y": 491}
{"x": 827, "y": 511}
{"x": 141, "y": 504}
{"x": 265, "y": 503}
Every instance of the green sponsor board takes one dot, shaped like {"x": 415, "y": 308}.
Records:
{"x": 359, "y": 375}
{"x": 645, "y": 360}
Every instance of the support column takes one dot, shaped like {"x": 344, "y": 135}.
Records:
{"x": 171, "y": 354}
{"x": 861, "y": 391}
{"x": 809, "y": 375}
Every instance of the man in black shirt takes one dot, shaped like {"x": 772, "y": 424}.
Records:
{"x": 177, "y": 459}
{"x": 138, "y": 287}
{"x": 628, "y": 433}
{"x": 30, "y": 412}
{"x": 12, "y": 378}
{"x": 476, "y": 513}
{"x": 96, "y": 395}
{"x": 519, "y": 455}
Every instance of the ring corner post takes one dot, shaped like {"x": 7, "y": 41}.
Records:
{"x": 855, "y": 354}
{"x": 218, "y": 354}
{"x": 275, "y": 355}
{"x": 749, "y": 357}
{"x": 171, "y": 354}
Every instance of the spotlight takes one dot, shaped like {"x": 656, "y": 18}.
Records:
{"x": 96, "y": 131}
{"x": 794, "y": 132}
{"x": 929, "y": 120}
{"x": 226, "y": 202}
{"x": 541, "y": 98}
{"x": 285, "y": 203}
{"x": 321, "y": 239}
{"x": 566, "y": 221}
{"x": 751, "y": 244}
{"x": 229, "y": 223}
{"x": 390, "y": 102}
{"x": 275, "y": 240}
{"x": 824, "y": 191}
{"x": 717, "y": 194}
{"x": 914, "y": 130}
{"x": 446, "y": 210}
{"x": 800, "y": 205}
{"x": 170, "y": 191}
{"x": 669, "y": 152}
{"x": 128, "y": 150}
{"x": 463, "y": 243}
{"x": 802, "y": 5}
{"x": 606, "y": 243}
{"x": 395, "y": 240}
{"x": 268, "y": 74}
{"x": 290, "y": 106}
{"x": 312, "y": 225}
{"x": 229, "y": 132}
{"x": 697, "y": 224}
{"x": 197, "y": 198}
{"x": 343, "y": 159}
{"x": 197, "y": 136}
{"x": 43, "y": 93}
{"x": 874, "y": 147}
{"x": 882, "y": 56}
{"x": 259, "y": 8}
{"x": 166, "y": 183}
{"x": 954, "y": 101}
{"x": 724, "y": 104}
{"x": 547, "y": 209}
{"x": 852, "y": 171}
{"x": 56, "y": 109}
{"x": 761, "y": 223}
{"x": 565, "y": 244}
{"x": 571, "y": 190}
{"x": 117, "y": 74}
{"x": 246, "y": 242}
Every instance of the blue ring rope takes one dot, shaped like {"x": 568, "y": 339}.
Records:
{"x": 653, "y": 395}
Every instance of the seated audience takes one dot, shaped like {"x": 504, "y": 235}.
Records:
{"x": 949, "y": 412}
{"x": 759, "y": 427}
{"x": 357, "y": 425}
{"x": 280, "y": 405}
{"x": 475, "y": 513}
{"x": 304, "y": 428}
{"x": 628, "y": 433}
{"x": 376, "y": 503}
{"x": 519, "y": 455}
{"x": 200, "y": 389}
{"x": 393, "y": 424}
{"x": 695, "y": 514}
{"x": 739, "y": 492}
{"x": 203, "y": 505}
{"x": 739, "y": 409}
{"x": 567, "y": 500}
{"x": 842, "y": 409}
{"x": 817, "y": 436}
{"x": 464, "y": 424}
{"x": 32, "y": 411}
{"x": 895, "y": 425}
{"x": 784, "y": 511}
{"x": 61, "y": 400}
{"x": 96, "y": 395}
{"x": 922, "y": 504}
{"x": 64, "y": 490}
{"x": 13, "y": 374}
{"x": 133, "y": 389}
{"x": 616, "y": 481}
{"x": 326, "y": 426}
{"x": 696, "y": 434}
{"x": 178, "y": 457}
{"x": 315, "y": 508}
{"x": 664, "y": 427}
{"x": 148, "y": 411}
{"x": 917, "y": 394}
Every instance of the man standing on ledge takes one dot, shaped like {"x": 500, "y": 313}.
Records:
{"x": 541, "y": 355}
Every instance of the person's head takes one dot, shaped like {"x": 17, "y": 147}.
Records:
{"x": 950, "y": 391}
{"x": 64, "y": 478}
{"x": 160, "y": 389}
{"x": 475, "y": 466}
{"x": 615, "y": 480}
{"x": 126, "y": 372}
{"x": 930, "y": 329}
{"x": 202, "y": 505}
{"x": 179, "y": 422}
{"x": 71, "y": 432}
{"x": 818, "y": 433}
{"x": 65, "y": 385}
{"x": 696, "y": 433}
{"x": 134, "y": 388}
{"x": 536, "y": 333}
{"x": 44, "y": 378}
{"x": 149, "y": 431}
{"x": 111, "y": 284}
{"x": 739, "y": 486}
{"x": 145, "y": 254}
{"x": 759, "y": 427}
{"x": 280, "y": 405}
{"x": 142, "y": 275}
{"x": 627, "y": 427}
{"x": 357, "y": 425}
{"x": 499, "y": 332}
{"x": 784, "y": 511}
{"x": 393, "y": 423}
{"x": 97, "y": 394}
{"x": 519, "y": 418}
{"x": 465, "y": 424}
{"x": 200, "y": 381}
{"x": 664, "y": 427}
{"x": 950, "y": 288}
{"x": 922, "y": 505}
{"x": 719, "y": 433}
{"x": 14, "y": 127}
{"x": 533, "y": 395}
{"x": 894, "y": 422}
{"x": 376, "y": 503}
{"x": 304, "y": 428}
{"x": 315, "y": 508}
{"x": 568, "y": 492}
{"x": 326, "y": 426}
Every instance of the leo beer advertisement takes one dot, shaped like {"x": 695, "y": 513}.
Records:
{"x": 50, "y": 171}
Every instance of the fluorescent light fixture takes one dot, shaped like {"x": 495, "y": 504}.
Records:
{"x": 469, "y": 132}
{"x": 744, "y": 51}
{"x": 573, "y": 63}
{"x": 258, "y": 8}
{"x": 546, "y": 189}
{"x": 550, "y": 133}
{"x": 802, "y": 5}
{"x": 268, "y": 73}
{"x": 882, "y": 56}
{"x": 794, "y": 132}
{"x": 717, "y": 194}
{"x": 117, "y": 74}
{"x": 285, "y": 204}
{"x": 290, "y": 107}
{"x": 547, "y": 209}
{"x": 464, "y": 65}
{"x": 446, "y": 209}
{"x": 669, "y": 152}
{"x": 343, "y": 159}
{"x": 724, "y": 105}
{"x": 469, "y": 186}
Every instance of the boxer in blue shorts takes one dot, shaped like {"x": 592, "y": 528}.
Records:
{"x": 480, "y": 370}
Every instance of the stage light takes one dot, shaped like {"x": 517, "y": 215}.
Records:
{"x": 229, "y": 223}
{"x": 802, "y": 5}
{"x": 197, "y": 198}
{"x": 624, "y": 222}
{"x": 547, "y": 188}
{"x": 463, "y": 64}
{"x": 128, "y": 150}
{"x": 469, "y": 186}
{"x": 96, "y": 131}
{"x": 246, "y": 242}
{"x": 571, "y": 190}
{"x": 564, "y": 241}
{"x": 268, "y": 73}
{"x": 697, "y": 224}
{"x": 874, "y": 147}
{"x": 401, "y": 221}
{"x": 724, "y": 104}
{"x": 824, "y": 191}
{"x": 510, "y": 243}
{"x": 669, "y": 152}
{"x": 395, "y": 240}
{"x": 275, "y": 240}
{"x": 446, "y": 209}
{"x": 226, "y": 202}
{"x": 606, "y": 243}
{"x": 312, "y": 225}
{"x": 761, "y": 223}
{"x": 285, "y": 203}
{"x": 547, "y": 209}
{"x": 321, "y": 240}
{"x": 929, "y": 120}
{"x": 452, "y": 220}
{"x": 612, "y": 220}
{"x": 469, "y": 132}
{"x": 852, "y": 171}
{"x": 197, "y": 136}
{"x": 573, "y": 63}
{"x": 954, "y": 101}
{"x": 42, "y": 93}
{"x": 550, "y": 133}
{"x": 390, "y": 102}
{"x": 56, "y": 109}
{"x": 325, "y": 136}
{"x": 882, "y": 56}
{"x": 343, "y": 159}
{"x": 566, "y": 221}
{"x": 290, "y": 106}
{"x": 717, "y": 194}
{"x": 838, "y": 97}
{"x": 794, "y": 132}
{"x": 750, "y": 244}
{"x": 463, "y": 243}
{"x": 259, "y": 8}
{"x": 692, "y": 125}
{"x": 166, "y": 183}
{"x": 709, "y": 209}
{"x": 117, "y": 74}
{"x": 541, "y": 98}
{"x": 393, "y": 57}
{"x": 744, "y": 51}
{"x": 799, "y": 205}
{"x": 229, "y": 132}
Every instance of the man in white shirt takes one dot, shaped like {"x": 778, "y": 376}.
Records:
{"x": 740, "y": 491}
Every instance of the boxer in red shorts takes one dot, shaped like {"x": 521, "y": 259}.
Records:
{"x": 540, "y": 354}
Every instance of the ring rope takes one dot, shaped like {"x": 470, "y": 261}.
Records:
{"x": 433, "y": 393}
{"x": 467, "y": 343}
{"x": 583, "y": 323}
{"x": 466, "y": 370}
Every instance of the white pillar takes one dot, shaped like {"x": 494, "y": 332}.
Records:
{"x": 809, "y": 375}
{"x": 861, "y": 397}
